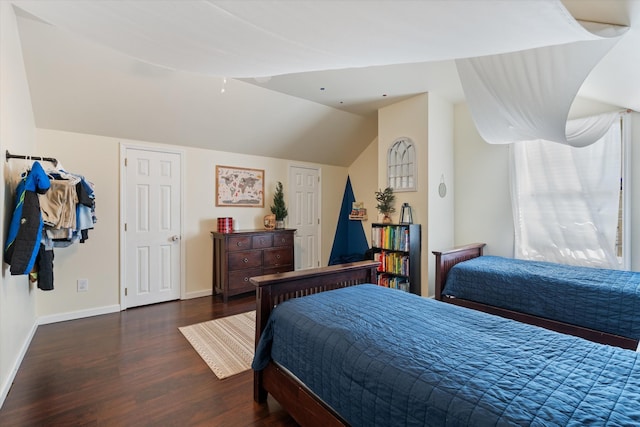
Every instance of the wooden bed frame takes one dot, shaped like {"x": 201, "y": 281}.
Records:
{"x": 300, "y": 402}
{"x": 445, "y": 260}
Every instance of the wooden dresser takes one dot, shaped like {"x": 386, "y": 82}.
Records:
{"x": 242, "y": 254}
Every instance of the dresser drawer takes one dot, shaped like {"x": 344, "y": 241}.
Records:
{"x": 262, "y": 241}
{"x": 239, "y": 280}
{"x": 246, "y": 259}
{"x": 283, "y": 239}
{"x": 239, "y": 243}
{"x": 277, "y": 257}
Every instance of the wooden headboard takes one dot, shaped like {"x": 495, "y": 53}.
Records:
{"x": 447, "y": 259}
{"x": 273, "y": 289}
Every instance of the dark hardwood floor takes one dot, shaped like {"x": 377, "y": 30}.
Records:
{"x": 133, "y": 368}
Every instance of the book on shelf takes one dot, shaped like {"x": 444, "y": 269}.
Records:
{"x": 392, "y": 262}
{"x": 392, "y": 237}
{"x": 393, "y": 282}
{"x": 379, "y": 257}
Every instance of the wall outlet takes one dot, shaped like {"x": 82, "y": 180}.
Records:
{"x": 83, "y": 285}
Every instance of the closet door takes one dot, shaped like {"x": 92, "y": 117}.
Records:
{"x": 152, "y": 214}
{"x": 304, "y": 215}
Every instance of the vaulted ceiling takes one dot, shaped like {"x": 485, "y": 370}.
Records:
{"x": 293, "y": 80}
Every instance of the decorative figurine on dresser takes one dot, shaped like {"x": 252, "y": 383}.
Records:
{"x": 239, "y": 255}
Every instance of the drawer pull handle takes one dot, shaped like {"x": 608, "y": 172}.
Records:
{"x": 246, "y": 279}
{"x": 278, "y": 256}
{"x": 245, "y": 259}
{"x": 239, "y": 244}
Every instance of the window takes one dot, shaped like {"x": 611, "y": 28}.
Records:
{"x": 568, "y": 202}
{"x": 401, "y": 166}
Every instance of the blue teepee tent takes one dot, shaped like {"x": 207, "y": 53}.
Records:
{"x": 350, "y": 243}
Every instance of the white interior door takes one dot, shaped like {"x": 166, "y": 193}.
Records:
{"x": 152, "y": 226}
{"x": 304, "y": 216}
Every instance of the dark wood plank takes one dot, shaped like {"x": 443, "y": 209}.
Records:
{"x": 133, "y": 368}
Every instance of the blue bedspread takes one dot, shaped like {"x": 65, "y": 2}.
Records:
{"x": 600, "y": 299}
{"x": 381, "y": 357}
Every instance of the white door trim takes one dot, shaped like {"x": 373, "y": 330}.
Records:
{"x": 124, "y": 146}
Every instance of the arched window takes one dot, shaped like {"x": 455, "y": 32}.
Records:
{"x": 401, "y": 165}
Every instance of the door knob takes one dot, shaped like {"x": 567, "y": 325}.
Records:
{"x": 175, "y": 238}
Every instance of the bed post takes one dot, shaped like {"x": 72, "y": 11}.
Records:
{"x": 447, "y": 259}
{"x": 263, "y": 309}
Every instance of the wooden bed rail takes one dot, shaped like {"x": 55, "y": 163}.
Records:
{"x": 447, "y": 259}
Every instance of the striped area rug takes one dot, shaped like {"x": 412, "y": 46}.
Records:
{"x": 225, "y": 344}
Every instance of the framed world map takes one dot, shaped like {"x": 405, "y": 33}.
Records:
{"x": 241, "y": 187}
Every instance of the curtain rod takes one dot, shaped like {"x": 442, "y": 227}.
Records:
{"x": 20, "y": 156}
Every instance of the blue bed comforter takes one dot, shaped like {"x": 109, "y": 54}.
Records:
{"x": 381, "y": 357}
{"x": 600, "y": 299}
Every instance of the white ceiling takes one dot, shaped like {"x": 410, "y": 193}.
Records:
{"x": 162, "y": 71}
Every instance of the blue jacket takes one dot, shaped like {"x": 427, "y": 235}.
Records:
{"x": 25, "y": 229}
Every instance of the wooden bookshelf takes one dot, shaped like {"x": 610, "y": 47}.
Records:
{"x": 397, "y": 247}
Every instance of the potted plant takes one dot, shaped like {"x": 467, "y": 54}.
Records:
{"x": 385, "y": 200}
{"x": 279, "y": 208}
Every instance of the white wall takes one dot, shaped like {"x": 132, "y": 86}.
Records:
{"x": 97, "y": 158}
{"x": 428, "y": 120}
{"x": 409, "y": 118}
{"x": 482, "y": 200}
{"x": 364, "y": 181}
{"x": 17, "y": 296}
{"x": 441, "y": 209}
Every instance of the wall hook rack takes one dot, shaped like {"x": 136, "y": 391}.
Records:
{"x": 20, "y": 156}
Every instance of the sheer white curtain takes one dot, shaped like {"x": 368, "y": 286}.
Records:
{"x": 526, "y": 95}
{"x": 566, "y": 199}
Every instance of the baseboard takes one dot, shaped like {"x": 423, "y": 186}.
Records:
{"x": 6, "y": 386}
{"x": 73, "y": 315}
{"x": 197, "y": 294}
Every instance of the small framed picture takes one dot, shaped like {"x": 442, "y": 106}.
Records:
{"x": 240, "y": 187}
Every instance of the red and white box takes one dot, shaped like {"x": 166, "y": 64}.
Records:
{"x": 225, "y": 225}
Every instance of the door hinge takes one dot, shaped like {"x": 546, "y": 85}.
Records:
{"x": 318, "y": 221}
{"x": 125, "y": 162}
{"x": 125, "y": 226}
{"x": 125, "y": 291}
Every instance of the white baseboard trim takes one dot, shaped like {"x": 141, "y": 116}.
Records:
{"x": 197, "y": 294}
{"x": 6, "y": 386}
{"x": 80, "y": 314}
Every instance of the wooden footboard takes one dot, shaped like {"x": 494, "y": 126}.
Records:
{"x": 445, "y": 260}
{"x": 273, "y": 289}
